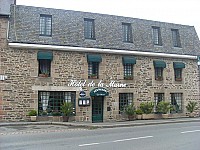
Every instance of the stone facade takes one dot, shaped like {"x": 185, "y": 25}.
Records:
{"x": 19, "y": 92}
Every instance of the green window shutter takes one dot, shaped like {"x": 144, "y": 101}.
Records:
{"x": 94, "y": 58}
{"x": 159, "y": 64}
{"x": 178, "y": 65}
{"x": 45, "y": 55}
{"x": 129, "y": 60}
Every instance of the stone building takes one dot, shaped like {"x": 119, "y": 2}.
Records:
{"x": 98, "y": 62}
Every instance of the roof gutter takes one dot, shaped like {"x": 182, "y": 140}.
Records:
{"x": 97, "y": 50}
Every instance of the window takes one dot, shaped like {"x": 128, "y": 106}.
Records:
{"x": 44, "y": 59}
{"x": 128, "y": 62}
{"x": 156, "y": 36}
{"x": 176, "y": 102}
{"x": 127, "y": 32}
{"x": 128, "y": 71}
{"x": 124, "y": 100}
{"x": 158, "y": 97}
{"x": 93, "y": 66}
{"x": 178, "y": 67}
{"x": 45, "y": 25}
{"x": 44, "y": 67}
{"x": 175, "y": 38}
{"x": 159, "y": 65}
{"x": 158, "y": 73}
{"x": 50, "y": 102}
{"x": 93, "y": 70}
{"x": 178, "y": 74}
{"x": 89, "y": 29}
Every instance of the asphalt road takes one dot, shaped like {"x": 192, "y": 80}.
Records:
{"x": 181, "y": 136}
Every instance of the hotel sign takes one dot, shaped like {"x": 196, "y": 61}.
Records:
{"x": 112, "y": 84}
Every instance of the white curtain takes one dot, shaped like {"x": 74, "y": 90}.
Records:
{"x": 45, "y": 100}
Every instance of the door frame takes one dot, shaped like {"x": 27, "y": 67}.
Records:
{"x": 100, "y": 99}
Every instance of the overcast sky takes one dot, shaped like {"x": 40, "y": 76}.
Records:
{"x": 186, "y": 12}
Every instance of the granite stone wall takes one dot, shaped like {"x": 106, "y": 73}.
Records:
{"x": 20, "y": 90}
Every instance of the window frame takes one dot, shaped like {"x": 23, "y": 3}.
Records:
{"x": 93, "y": 70}
{"x": 58, "y": 98}
{"x": 158, "y": 73}
{"x": 158, "y": 97}
{"x": 42, "y": 72}
{"x": 124, "y": 100}
{"x": 128, "y": 71}
{"x": 89, "y": 29}
{"x": 177, "y": 98}
{"x": 156, "y": 36}
{"x": 47, "y": 27}
{"x": 127, "y": 32}
{"x": 176, "y": 38}
{"x": 178, "y": 74}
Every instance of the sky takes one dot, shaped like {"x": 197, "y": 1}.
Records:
{"x": 185, "y": 12}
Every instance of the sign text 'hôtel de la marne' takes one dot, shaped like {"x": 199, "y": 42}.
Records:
{"x": 112, "y": 84}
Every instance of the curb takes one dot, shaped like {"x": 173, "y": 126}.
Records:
{"x": 93, "y": 126}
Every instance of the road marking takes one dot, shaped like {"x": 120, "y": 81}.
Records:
{"x": 191, "y": 131}
{"x": 122, "y": 140}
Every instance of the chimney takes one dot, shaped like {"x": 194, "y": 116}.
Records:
{"x": 5, "y": 7}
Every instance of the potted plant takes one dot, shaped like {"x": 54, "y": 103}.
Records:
{"x": 33, "y": 115}
{"x": 163, "y": 108}
{"x": 191, "y": 107}
{"x": 147, "y": 109}
{"x": 130, "y": 111}
{"x": 67, "y": 110}
{"x": 139, "y": 114}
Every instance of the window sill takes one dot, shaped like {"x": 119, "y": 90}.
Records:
{"x": 43, "y": 75}
{"x": 159, "y": 79}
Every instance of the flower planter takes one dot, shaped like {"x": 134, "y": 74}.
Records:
{"x": 131, "y": 117}
{"x": 147, "y": 116}
{"x": 165, "y": 116}
{"x": 138, "y": 117}
{"x": 33, "y": 118}
{"x": 65, "y": 118}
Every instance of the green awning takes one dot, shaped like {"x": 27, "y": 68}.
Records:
{"x": 94, "y": 58}
{"x": 45, "y": 55}
{"x": 159, "y": 64}
{"x": 129, "y": 60}
{"x": 178, "y": 65}
{"x": 99, "y": 92}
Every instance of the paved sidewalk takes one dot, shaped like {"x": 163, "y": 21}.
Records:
{"x": 106, "y": 124}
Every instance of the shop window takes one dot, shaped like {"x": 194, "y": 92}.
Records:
{"x": 127, "y": 32}
{"x": 50, "y": 103}
{"x": 45, "y": 25}
{"x": 158, "y": 97}
{"x": 89, "y": 29}
{"x": 176, "y": 102}
{"x": 124, "y": 100}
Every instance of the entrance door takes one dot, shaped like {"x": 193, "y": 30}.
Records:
{"x": 97, "y": 109}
